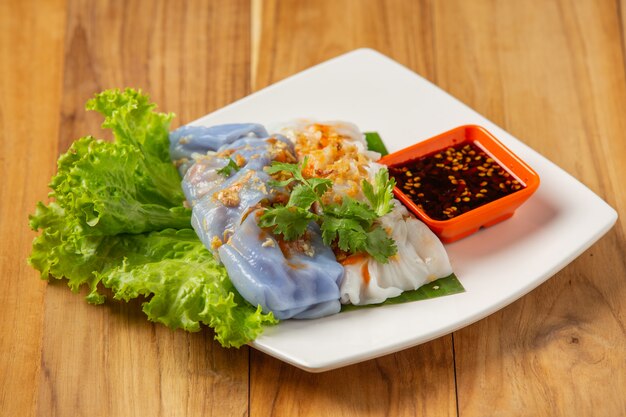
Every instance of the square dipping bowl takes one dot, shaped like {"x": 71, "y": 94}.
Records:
{"x": 441, "y": 203}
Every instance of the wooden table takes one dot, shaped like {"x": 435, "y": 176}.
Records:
{"x": 550, "y": 72}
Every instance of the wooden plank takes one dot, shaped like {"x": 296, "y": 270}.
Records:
{"x": 420, "y": 381}
{"x": 621, "y": 6}
{"x": 552, "y": 73}
{"x": 293, "y": 36}
{"x": 191, "y": 57}
{"x": 415, "y": 382}
{"x": 31, "y": 56}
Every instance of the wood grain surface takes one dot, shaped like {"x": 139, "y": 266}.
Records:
{"x": 553, "y": 73}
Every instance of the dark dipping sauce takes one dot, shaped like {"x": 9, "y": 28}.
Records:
{"x": 453, "y": 181}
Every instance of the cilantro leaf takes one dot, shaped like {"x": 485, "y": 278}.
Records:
{"x": 380, "y": 194}
{"x": 229, "y": 168}
{"x": 302, "y": 197}
{"x": 352, "y": 209}
{"x": 291, "y": 221}
{"x": 349, "y": 225}
{"x": 283, "y": 183}
{"x": 380, "y": 245}
{"x": 349, "y": 234}
{"x": 319, "y": 185}
{"x": 294, "y": 169}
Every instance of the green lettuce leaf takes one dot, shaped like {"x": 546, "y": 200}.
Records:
{"x": 107, "y": 188}
{"x": 134, "y": 122}
{"x": 65, "y": 250}
{"x": 185, "y": 286}
{"x": 117, "y": 220}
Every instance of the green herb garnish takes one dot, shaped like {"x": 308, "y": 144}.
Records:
{"x": 350, "y": 225}
{"x": 229, "y": 168}
{"x": 381, "y": 196}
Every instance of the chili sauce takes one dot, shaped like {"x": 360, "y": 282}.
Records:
{"x": 453, "y": 181}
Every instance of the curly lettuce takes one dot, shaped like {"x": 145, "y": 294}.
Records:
{"x": 117, "y": 220}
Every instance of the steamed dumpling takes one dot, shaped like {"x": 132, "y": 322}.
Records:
{"x": 296, "y": 279}
{"x": 292, "y": 279}
{"x": 338, "y": 151}
{"x": 187, "y": 140}
{"x": 421, "y": 258}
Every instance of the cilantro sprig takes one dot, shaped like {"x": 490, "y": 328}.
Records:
{"x": 380, "y": 197}
{"x": 229, "y": 168}
{"x": 350, "y": 225}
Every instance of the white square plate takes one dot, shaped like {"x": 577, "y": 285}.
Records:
{"x": 496, "y": 265}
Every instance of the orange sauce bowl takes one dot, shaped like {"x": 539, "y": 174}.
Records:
{"x": 464, "y": 179}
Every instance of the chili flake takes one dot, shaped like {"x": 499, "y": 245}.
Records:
{"x": 454, "y": 181}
